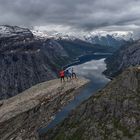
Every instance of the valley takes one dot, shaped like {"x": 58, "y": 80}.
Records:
{"x": 91, "y": 70}
{"x": 26, "y": 60}
{"x": 69, "y": 69}
{"x": 29, "y": 62}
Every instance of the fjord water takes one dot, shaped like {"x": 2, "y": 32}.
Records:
{"x": 91, "y": 70}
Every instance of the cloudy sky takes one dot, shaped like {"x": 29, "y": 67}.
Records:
{"x": 78, "y": 15}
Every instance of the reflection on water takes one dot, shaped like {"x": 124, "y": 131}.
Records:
{"x": 91, "y": 70}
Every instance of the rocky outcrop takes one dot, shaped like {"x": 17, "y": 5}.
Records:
{"x": 112, "y": 114}
{"x": 127, "y": 56}
{"x": 26, "y": 60}
{"x": 22, "y": 115}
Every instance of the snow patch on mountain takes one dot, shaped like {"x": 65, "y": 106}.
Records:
{"x": 58, "y": 32}
{"x": 112, "y": 38}
{"x": 10, "y": 31}
{"x": 86, "y": 36}
{"x": 125, "y": 35}
{"x": 52, "y": 34}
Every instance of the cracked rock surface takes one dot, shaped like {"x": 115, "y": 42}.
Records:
{"x": 22, "y": 115}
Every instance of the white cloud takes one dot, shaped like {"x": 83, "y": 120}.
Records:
{"x": 75, "y": 15}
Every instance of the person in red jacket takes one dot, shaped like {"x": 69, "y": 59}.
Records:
{"x": 62, "y": 75}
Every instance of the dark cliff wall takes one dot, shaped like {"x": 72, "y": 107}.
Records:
{"x": 112, "y": 114}
{"x": 125, "y": 57}
{"x": 26, "y": 60}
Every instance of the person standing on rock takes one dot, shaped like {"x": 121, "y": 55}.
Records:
{"x": 68, "y": 74}
{"x": 62, "y": 75}
{"x": 73, "y": 73}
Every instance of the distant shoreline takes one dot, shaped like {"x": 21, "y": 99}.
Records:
{"x": 85, "y": 58}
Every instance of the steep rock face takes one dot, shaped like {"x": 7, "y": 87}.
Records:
{"x": 78, "y": 47}
{"x": 21, "y": 116}
{"x": 122, "y": 59}
{"x": 26, "y": 60}
{"x": 112, "y": 114}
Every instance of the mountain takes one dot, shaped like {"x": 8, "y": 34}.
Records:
{"x": 111, "y": 39}
{"x": 79, "y": 47}
{"x": 110, "y": 114}
{"x": 54, "y": 35}
{"x": 103, "y": 38}
{"x": 125, "y": 57}
{"x": 13, "y": 32}
{"x": 26, "y": 60}
{"x": 74, "y": 45}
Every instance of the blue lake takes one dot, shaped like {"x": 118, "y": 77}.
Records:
{"x": 90, "y": 68}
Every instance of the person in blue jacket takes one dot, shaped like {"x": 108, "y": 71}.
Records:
{"x": 68, "y": 73}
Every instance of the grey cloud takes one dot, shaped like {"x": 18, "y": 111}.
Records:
{"x": 81, "y": 14}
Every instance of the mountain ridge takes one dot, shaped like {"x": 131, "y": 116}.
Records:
{"x": 104, "y": 38}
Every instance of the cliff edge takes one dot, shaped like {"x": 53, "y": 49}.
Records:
{"x": 22, "y": 115}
